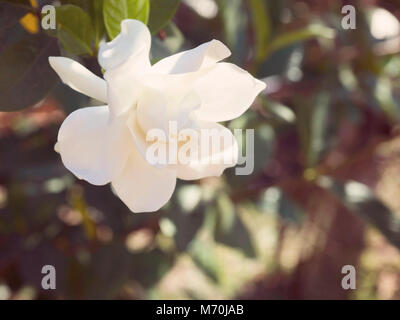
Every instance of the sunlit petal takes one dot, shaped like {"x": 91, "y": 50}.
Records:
{"x": 93, "y": 148}
{"x": 79, "y": 78}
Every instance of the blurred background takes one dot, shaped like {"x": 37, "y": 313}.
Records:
{"x": 325, "y": 191}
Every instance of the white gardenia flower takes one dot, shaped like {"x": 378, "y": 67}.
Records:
{"x": 108, "y": 143}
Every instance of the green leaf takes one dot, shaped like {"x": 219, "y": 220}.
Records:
{"x": 289, "y": 38}
{"x": 234, "y": 20}
{"x": 98, "y": 21}
{"x": 26, "y": 76}
{"x": 187, "y": 215}
{"x": 95, "y": 10}
{"x": 230, "y": 229}
{"x": 150, "y": 267}
{"x": 161, "y": 12}
{"x": 205, "y": 256}
{"x": 384, "y": 94}
{"x": 261, "y": 26}
{"x": 313, "y": 127}
{"x": 115, "y": 11}
{"x": 360, "y": 199}
{"x": 74, "y": 29}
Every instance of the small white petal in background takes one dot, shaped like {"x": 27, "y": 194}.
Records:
{"x": 206, "y": 8}
{"x": 384, "y": 25}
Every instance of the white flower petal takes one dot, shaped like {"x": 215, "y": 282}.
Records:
{"x": 133, "y": 38}
{"x": 142, "y": 187}
{"x": 155, "y": 110}
{"x": 183, "y": 111}
{"x": 139, "y": 137}
{"x": 79, "y": 78}
{"x": 193, "y": 60}
{"x": 126, "y": 60}
{"x": 226, "y": 92}
{"x": 215, "y": 160}
{"x": 124, "y": 85}
{"x": 92, "y": 147}
{"x": 152, "y": 110}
